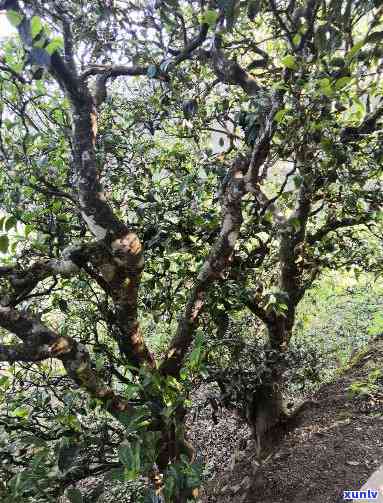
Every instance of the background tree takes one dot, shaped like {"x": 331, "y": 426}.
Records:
{"x": 238, "y": 144}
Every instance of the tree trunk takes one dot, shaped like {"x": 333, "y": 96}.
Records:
{"x": 265, "y": 413}
{"x": 174, "y": 447}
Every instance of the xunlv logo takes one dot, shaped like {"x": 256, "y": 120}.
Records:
{"x": 370, "y": 494}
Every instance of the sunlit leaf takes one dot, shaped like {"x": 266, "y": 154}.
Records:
{"x": 289, "y": 61}
{"x": 54, "y": 45}
{"x": 36, "y": 26}
{"x": 21, "y": 412}
{"x": 210, "y": 17}
{"x": 342, "y": 82}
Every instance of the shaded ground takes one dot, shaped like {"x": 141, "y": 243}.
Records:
{"x": 337, "y": 445}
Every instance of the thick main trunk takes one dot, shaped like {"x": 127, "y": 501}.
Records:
{"x": 265, "y": 413}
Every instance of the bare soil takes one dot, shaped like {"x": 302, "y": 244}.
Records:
{"x": 336, "y": 446}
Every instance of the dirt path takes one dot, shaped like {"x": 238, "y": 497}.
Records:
{"x": 337, "y": 446}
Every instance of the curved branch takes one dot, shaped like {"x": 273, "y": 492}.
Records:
{"x": 39, "y": 342}
{"x": 213, "y": 268}
{"x": 257, "y": 310}
{"x": 230, "y": 72}
{"x": 105, "y": 72}
{"x": 334, "y": 225}
{"x": 111, "y": 71}
{"x": 241, "y": 179}
{"x": 24, "y": 281}
{"x": 193, "y": 45}
{"x": 123, "y": 276}
{"x": 22, "y": 353}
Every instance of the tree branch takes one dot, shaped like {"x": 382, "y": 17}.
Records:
{"x": 333, "y": 225}
{"x": 22, "y": 353}
{"x": 367, "y": 126}
{"x": 39, "y": 342}
{"x": 213, "y": 268}
{"x": 111, "y": 71}
{"x": 257, "y": 310}
{"x": 242, "y": 179}
{"x": 230, "y": 72}
{"x": 124, "y": 271}
{"x": 24, "y": 281}
{"x": 105, "y": 72}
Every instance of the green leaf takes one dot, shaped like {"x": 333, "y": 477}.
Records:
{"x": 297, "y": 38}
{"x": 289, "y": 61}
{"x": 14, "y": 17}
{"x": 184, "y": 373}
{"x": 342, "y": 82}
{"x": 54, "y": 45}
{"x": 325, "y": 86}
{"x": 376, "y": 326}
{"x": 21, "y": 412}
{"x": 4, "y": 243}
{"x": 4, "y": 382}
{"x": 27, "y": 230}
{"x": 129, "y": 455}
{"x": 210, "y": 17}
{"x": 74, "y": 495}
{"x": 358, "y": 108}
{"x": 152, "y": 71}
{"x": 10, "y": 222}
{"x": 375, "y": 37}
{"x": 324, "y": 82}
{"x": 280, "y": 115}
{"x": 36, "y": 26}
{"x": 355, "y": 49}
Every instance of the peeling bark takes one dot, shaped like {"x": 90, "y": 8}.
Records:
{"x": 213, "y": 268}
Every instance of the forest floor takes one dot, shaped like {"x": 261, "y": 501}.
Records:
{"x": 337, "y": 445}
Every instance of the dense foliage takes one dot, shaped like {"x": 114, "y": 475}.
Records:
{"x": 175, "y": 176}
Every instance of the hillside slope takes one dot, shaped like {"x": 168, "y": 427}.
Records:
{"x": 337, "y": 445}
